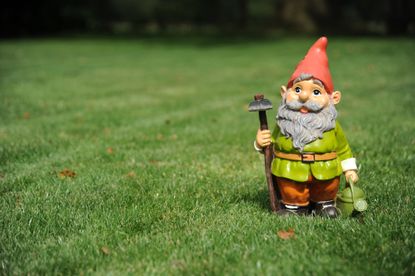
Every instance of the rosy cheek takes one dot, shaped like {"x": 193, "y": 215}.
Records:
{"x": 323, "y": 101}
{"x": 291, "y": 97}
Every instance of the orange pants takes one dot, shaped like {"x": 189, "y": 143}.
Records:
{"x": 300, "y": 193}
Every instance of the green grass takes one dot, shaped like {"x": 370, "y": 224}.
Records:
{"x": 183, "y": 191}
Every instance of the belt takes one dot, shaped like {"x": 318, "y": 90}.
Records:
{"x": 306, "y": 157}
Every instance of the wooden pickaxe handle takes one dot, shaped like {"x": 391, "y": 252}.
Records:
{"x": 268, "y": 160}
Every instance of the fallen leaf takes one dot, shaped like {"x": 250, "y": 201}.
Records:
{"x": 67, "y": 173}
{"x": 159, "y": 137}
{"x": 26, "y": 115}
{"x": 131, "y": 174}
{"x": 105, "y": 250}
{"x": 286, "y": 235}
{"x": 370, "y": 67}
{"x": 173, "y": 137}
{"x": 110, "y": 150}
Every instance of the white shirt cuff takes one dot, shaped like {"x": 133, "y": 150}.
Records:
{"x": 258, "y": 149}
{"x": 349, "y": 164}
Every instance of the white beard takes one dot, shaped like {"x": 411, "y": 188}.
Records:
{"x": 305, "y": 128}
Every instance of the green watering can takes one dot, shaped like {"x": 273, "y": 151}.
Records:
{"x": 351, "y": 200}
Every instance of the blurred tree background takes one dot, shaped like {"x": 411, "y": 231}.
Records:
{"x": 46, "y": 17}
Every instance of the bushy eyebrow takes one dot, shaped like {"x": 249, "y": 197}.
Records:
{"x": 319, "y": 83}
{"x": 304, "y": 76}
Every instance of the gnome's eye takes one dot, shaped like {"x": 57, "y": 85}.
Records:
{"x": 316, "y": 92}
{"x": 297, "y": 90}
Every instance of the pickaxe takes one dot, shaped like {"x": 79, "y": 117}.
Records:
{"x": 262, "y": 105}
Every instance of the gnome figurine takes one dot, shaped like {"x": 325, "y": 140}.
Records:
{"x": 309, "y": 146}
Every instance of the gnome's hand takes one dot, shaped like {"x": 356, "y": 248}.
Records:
{"x": 351, "y": 176}
{"x": 263, "y": 138}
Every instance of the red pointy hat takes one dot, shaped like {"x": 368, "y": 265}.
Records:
{"x": 315, "y": 63}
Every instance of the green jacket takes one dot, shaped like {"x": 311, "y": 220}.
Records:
{"x": 333, "y": 140}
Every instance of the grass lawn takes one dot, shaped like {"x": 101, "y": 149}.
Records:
{"x": 166, "y": 179}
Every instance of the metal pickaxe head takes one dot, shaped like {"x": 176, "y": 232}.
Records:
{"x": 260, "y": 104}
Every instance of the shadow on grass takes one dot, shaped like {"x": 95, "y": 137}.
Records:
{"x": 260, "y": 199}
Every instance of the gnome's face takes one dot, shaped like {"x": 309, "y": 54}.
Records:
{"x": 306, "y": 111}
{"x": 309, "y": 95}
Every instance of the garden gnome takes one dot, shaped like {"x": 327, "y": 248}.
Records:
{"x": 309, "y": 146}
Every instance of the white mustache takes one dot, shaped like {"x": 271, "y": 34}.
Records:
{"x": 310, "y": 105}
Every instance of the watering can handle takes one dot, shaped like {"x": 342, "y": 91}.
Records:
{"x": 351, "y": 184}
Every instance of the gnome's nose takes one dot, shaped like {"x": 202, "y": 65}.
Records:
{"x": 303, "y": 97}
